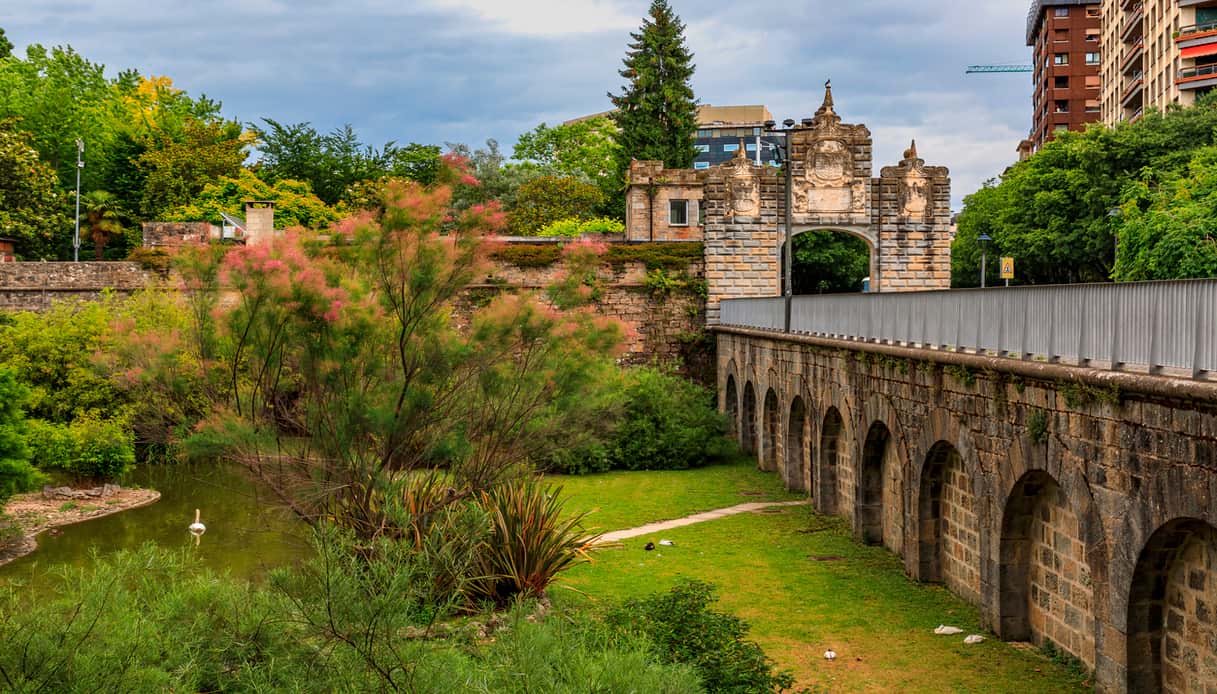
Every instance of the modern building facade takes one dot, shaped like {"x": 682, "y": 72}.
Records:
{"x": 1065, "y": 38}
{"x": 722, "y": 130}
{"x": 1156, "y": 53}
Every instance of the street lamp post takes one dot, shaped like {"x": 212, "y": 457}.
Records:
{"x": 80, "y": 164}
{"x": 787, "y": 281}
{"x": 984, "y": 240}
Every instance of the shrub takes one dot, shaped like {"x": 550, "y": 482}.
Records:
{"x": 531, "y": 540}
{"x": 574, "y": 226}
{"x": 547, "y": 199}
{"x": 662, "y": 255}
{"x": 153, "y": 259}
{"x": 684, "y": 629}
{"x": 529, "y": 254}
{"x": 89, "y": 449}
{"x": 668, "y": 424}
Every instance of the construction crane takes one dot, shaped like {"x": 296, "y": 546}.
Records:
{"x": 997, "y": 68}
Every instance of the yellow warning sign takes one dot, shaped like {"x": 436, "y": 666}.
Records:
{"x": 1007, "y": 268}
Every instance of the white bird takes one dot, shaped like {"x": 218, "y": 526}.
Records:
{"x": 830, "y": 654}
{"x": 974, "y": 638}
{"x": 197, "y": 528}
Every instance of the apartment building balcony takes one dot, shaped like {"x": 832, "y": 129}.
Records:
{"x": 1133, "y": 54}
{"x": 1198, "y": 77}
{"x": 1130, "y": 30}
{"x": 1133, "y": 86}
{"x": 1196, "y": 34}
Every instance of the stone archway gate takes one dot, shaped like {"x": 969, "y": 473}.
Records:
{"x": 904, "y": 214}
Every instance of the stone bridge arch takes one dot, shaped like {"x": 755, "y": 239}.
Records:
{"x": 882, "y": 461}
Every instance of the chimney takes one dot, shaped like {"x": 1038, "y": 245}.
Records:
{"x": 259, "y": 222}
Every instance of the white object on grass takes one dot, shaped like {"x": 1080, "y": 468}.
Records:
{"x": 667, "y": 543}
{"x": 944, "y": 630}
{"x": 830, "y": 654}
{"x": 974, "y": 638}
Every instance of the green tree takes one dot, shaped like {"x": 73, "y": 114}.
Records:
{"x": 1052, "y": 212}
{"x": 16, "y": 473}
{"x": 101, "y": 220}
{"x": 497, "y": 180}
{"x": 30, "y": 209}
{"x": 586, "y": 150}
{"x": 177, "y": 170}
{"x": 6, "y": 46}
{"x": 332, "y": 164}
{"x": 1168, "y": 229}
{"x": 656, "y": 110}
{"x": 829, "y": 262}
{"x": 547, "y": 199}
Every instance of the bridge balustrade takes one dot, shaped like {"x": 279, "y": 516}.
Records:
{"x": 1151, "y": 326}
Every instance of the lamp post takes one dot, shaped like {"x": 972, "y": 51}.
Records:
{"x": 787, "y": 281}
{"x": 984, "y": 240}
{"x": 80, "y": 164}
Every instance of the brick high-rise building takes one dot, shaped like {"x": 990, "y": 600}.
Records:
{"x": 1064, "y": 35}
{"x": 1156, "y": 53}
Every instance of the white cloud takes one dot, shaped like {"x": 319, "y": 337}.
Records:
{"x": 549, "y": 18}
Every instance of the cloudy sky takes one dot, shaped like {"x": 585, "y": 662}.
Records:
{"x": 439, "y": 71}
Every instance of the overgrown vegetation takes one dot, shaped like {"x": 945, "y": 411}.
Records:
{"x": 655, "y": 421}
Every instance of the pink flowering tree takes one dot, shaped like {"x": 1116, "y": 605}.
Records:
{"x": 351, "y": 376}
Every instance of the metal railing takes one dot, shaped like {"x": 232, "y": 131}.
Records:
{"x": 1201, "y": 28}
{"x": 1144, "y": 326}
{"x": 1197, "y": 71}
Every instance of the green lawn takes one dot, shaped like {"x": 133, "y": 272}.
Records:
{"x": 803, "y": 585}
{"x": 628, "y": 499}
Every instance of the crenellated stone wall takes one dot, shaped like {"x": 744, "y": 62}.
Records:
{"x": 1074, "y": 507}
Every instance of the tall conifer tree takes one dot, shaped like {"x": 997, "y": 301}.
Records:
{"x": 656, "y": 110}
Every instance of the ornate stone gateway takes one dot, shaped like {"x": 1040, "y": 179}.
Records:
{"x": 904, "y": 215}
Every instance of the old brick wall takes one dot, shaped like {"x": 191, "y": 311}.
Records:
{"x": 655, "y": 323}
{"x": 1068, "y": 510}
{"x": 34, "y": 286}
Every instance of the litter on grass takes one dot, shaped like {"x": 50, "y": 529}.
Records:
{"x": 667, "y": 543}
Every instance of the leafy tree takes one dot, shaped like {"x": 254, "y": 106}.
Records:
{"x": 1052, "y": 212}
{"x": 1168, "y": 230}
{"x": 101, "y": 220}
{"x": 16, "y": 473}
{"x": 177, "y": 170}
{"x": 496, "y": 179}
{"x": 60, "y": 97}
{"x": 30, "y": 209}
{"x": 352, "y": 353}
{"x": 585, "y": 150}
{"x": 6, "y": 46}
{"x": 295, "y": 204}
{"x": 656, "y": 110}
{"x": 827, "y": 262}
{"x": 547, "y": 199}
{"x": 333, "y": 163}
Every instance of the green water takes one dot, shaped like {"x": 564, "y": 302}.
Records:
{"x": 247, "y": 533}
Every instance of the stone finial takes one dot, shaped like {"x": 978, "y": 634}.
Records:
{"x": 826, "y": 107}
{"x": 741, "y": 153}
{"x": 825, "y": 116}
{"x": 911, "y": 152}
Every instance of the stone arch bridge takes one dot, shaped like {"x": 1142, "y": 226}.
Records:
{"x": 1070, "y": 494}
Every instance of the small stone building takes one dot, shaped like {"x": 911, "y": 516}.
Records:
{"x": 258, "y": 227}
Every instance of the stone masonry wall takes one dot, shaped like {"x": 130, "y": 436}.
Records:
{"x": 1078, "y": 512}
{"x": 1189, "y": 644}
{"x": 34, "y": 286}
{"x": 648, "y": 202}
{"x": 654, "y": 323}
{"x": 1060, "y": 600}
{"x": 960, "y": 540}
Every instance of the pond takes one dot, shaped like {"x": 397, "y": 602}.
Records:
{"x": 247, "y": 532}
